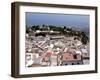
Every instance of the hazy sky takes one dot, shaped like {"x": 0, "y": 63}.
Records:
{"x": 57, "y": 19}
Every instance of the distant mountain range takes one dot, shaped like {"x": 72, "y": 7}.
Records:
{"x": 78, "y": 28}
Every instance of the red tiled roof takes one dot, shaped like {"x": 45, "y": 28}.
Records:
{"x": 48, "y": 54}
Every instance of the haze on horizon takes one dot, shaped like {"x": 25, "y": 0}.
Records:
{"x": 57, "y": 19}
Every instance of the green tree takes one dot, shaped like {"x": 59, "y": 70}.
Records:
{"x": 64, "y": 27}
{"x": 27, "y": 29}
{"x": 84, "y": 38}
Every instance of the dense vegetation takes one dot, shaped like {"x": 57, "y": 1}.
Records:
{"x": 62, "y": 29}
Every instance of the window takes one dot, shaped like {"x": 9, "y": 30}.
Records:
{"x": 75, "y": 56}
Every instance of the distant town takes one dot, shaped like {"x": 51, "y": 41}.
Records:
{"x": 50, "y": 45}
